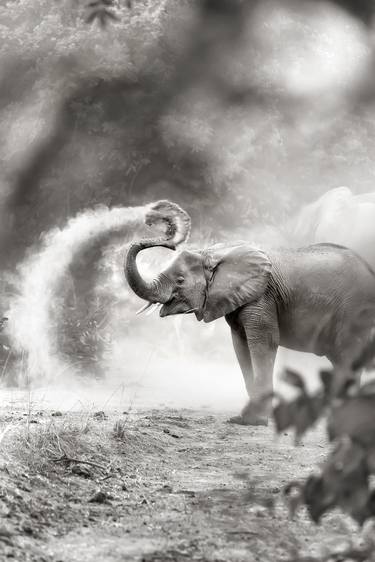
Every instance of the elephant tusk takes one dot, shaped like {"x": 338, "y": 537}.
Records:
{"x": 153, "y": 307}
{"x": 144, "y": 307}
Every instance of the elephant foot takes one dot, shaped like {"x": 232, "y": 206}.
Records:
{"x": 249, "y": 420}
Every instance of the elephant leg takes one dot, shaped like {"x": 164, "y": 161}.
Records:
{"x": 244, "y": 358}
{"x": 263, "y": 360}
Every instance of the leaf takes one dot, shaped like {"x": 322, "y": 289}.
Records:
{"x": 354, "y": 417}
{"x": 283, "y": 415}
{"x": 294, "y": 497}
{"x": 327, "y": 380}
{"x": 294, "y": 379}
{"x": 343, "y": 482}
{"x": 300, "y": 413}
{"x": 317, "y": 503}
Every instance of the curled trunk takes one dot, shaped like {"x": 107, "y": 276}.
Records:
{"x": 153, "y": 291}
{"x": 177, "y": 230}
{"x": 176, "y": 221}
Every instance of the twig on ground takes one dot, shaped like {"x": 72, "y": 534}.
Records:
{"x": 107, "y": 477}
{"x": 66, "y": 458}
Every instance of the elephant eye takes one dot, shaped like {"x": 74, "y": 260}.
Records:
{"x": 180, "y": 280}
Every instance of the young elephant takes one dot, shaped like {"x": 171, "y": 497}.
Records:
{"x": 317, "y": 299}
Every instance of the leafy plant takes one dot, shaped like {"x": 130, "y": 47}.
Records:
{"x": 344, "y": 481}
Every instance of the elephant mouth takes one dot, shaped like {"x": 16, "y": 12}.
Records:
{"x": 170, "y": 308}
{"x": 173, "y": 307}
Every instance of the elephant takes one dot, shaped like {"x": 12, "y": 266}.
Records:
{"x": 340, "y": 217}
{"x": 317, "y": 299}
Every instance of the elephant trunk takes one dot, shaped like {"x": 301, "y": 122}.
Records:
{"x": 156, "y": 291}
{"x": 176, "y": 225}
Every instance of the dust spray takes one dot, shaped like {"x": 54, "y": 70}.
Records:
{"x": 30, "y": 313}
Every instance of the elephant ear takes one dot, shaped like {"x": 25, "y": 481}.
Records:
{"x": 236, "y": 274}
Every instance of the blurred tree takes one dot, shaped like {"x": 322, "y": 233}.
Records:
{"x": 172, "y": 106}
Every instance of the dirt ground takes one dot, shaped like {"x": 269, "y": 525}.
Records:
{"x": 155, "y": 486}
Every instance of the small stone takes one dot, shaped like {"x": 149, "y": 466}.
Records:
{"x": 24, "y": 487}
{"x": 168, "y": 432}
{"x": 100, "y": 415}
{"x": 188, "y": 493}
{"x": 166, "y": 489}
{"x": 81, "y": 470}
{"x": 57, "y": 414}
{"x": 28, "y": 530}
{"x": 100, "y": 497}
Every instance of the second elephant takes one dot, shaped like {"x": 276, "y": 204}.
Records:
{"x": 340, "y": 217}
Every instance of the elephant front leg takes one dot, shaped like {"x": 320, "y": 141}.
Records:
{"x": 263, "y": 358}
{"x": 244, "y": 358}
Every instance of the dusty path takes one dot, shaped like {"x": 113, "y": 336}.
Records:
{"x": 184, "y": 486}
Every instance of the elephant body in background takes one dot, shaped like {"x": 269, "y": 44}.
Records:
{"x": 318, "y": 299}
{"x": 337, "y": 217}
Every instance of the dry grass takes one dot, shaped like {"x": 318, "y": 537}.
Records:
{"x": 41, "y": 442}
{"x": 120, "y": 429}
{"x": 38, "y": 446}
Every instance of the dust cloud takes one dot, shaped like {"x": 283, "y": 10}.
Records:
{"x": 40, "y": 277}
{"x": 148, "y": 361}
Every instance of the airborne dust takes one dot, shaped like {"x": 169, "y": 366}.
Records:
{"x": 147, "y": 364}
{"x": 150, "y": 362}
{"x": 296, "y": 134}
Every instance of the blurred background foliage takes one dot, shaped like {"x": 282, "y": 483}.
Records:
{"x": 239, "y": 111}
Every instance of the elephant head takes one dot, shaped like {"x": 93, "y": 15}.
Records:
{"x": 211, "y": 282}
